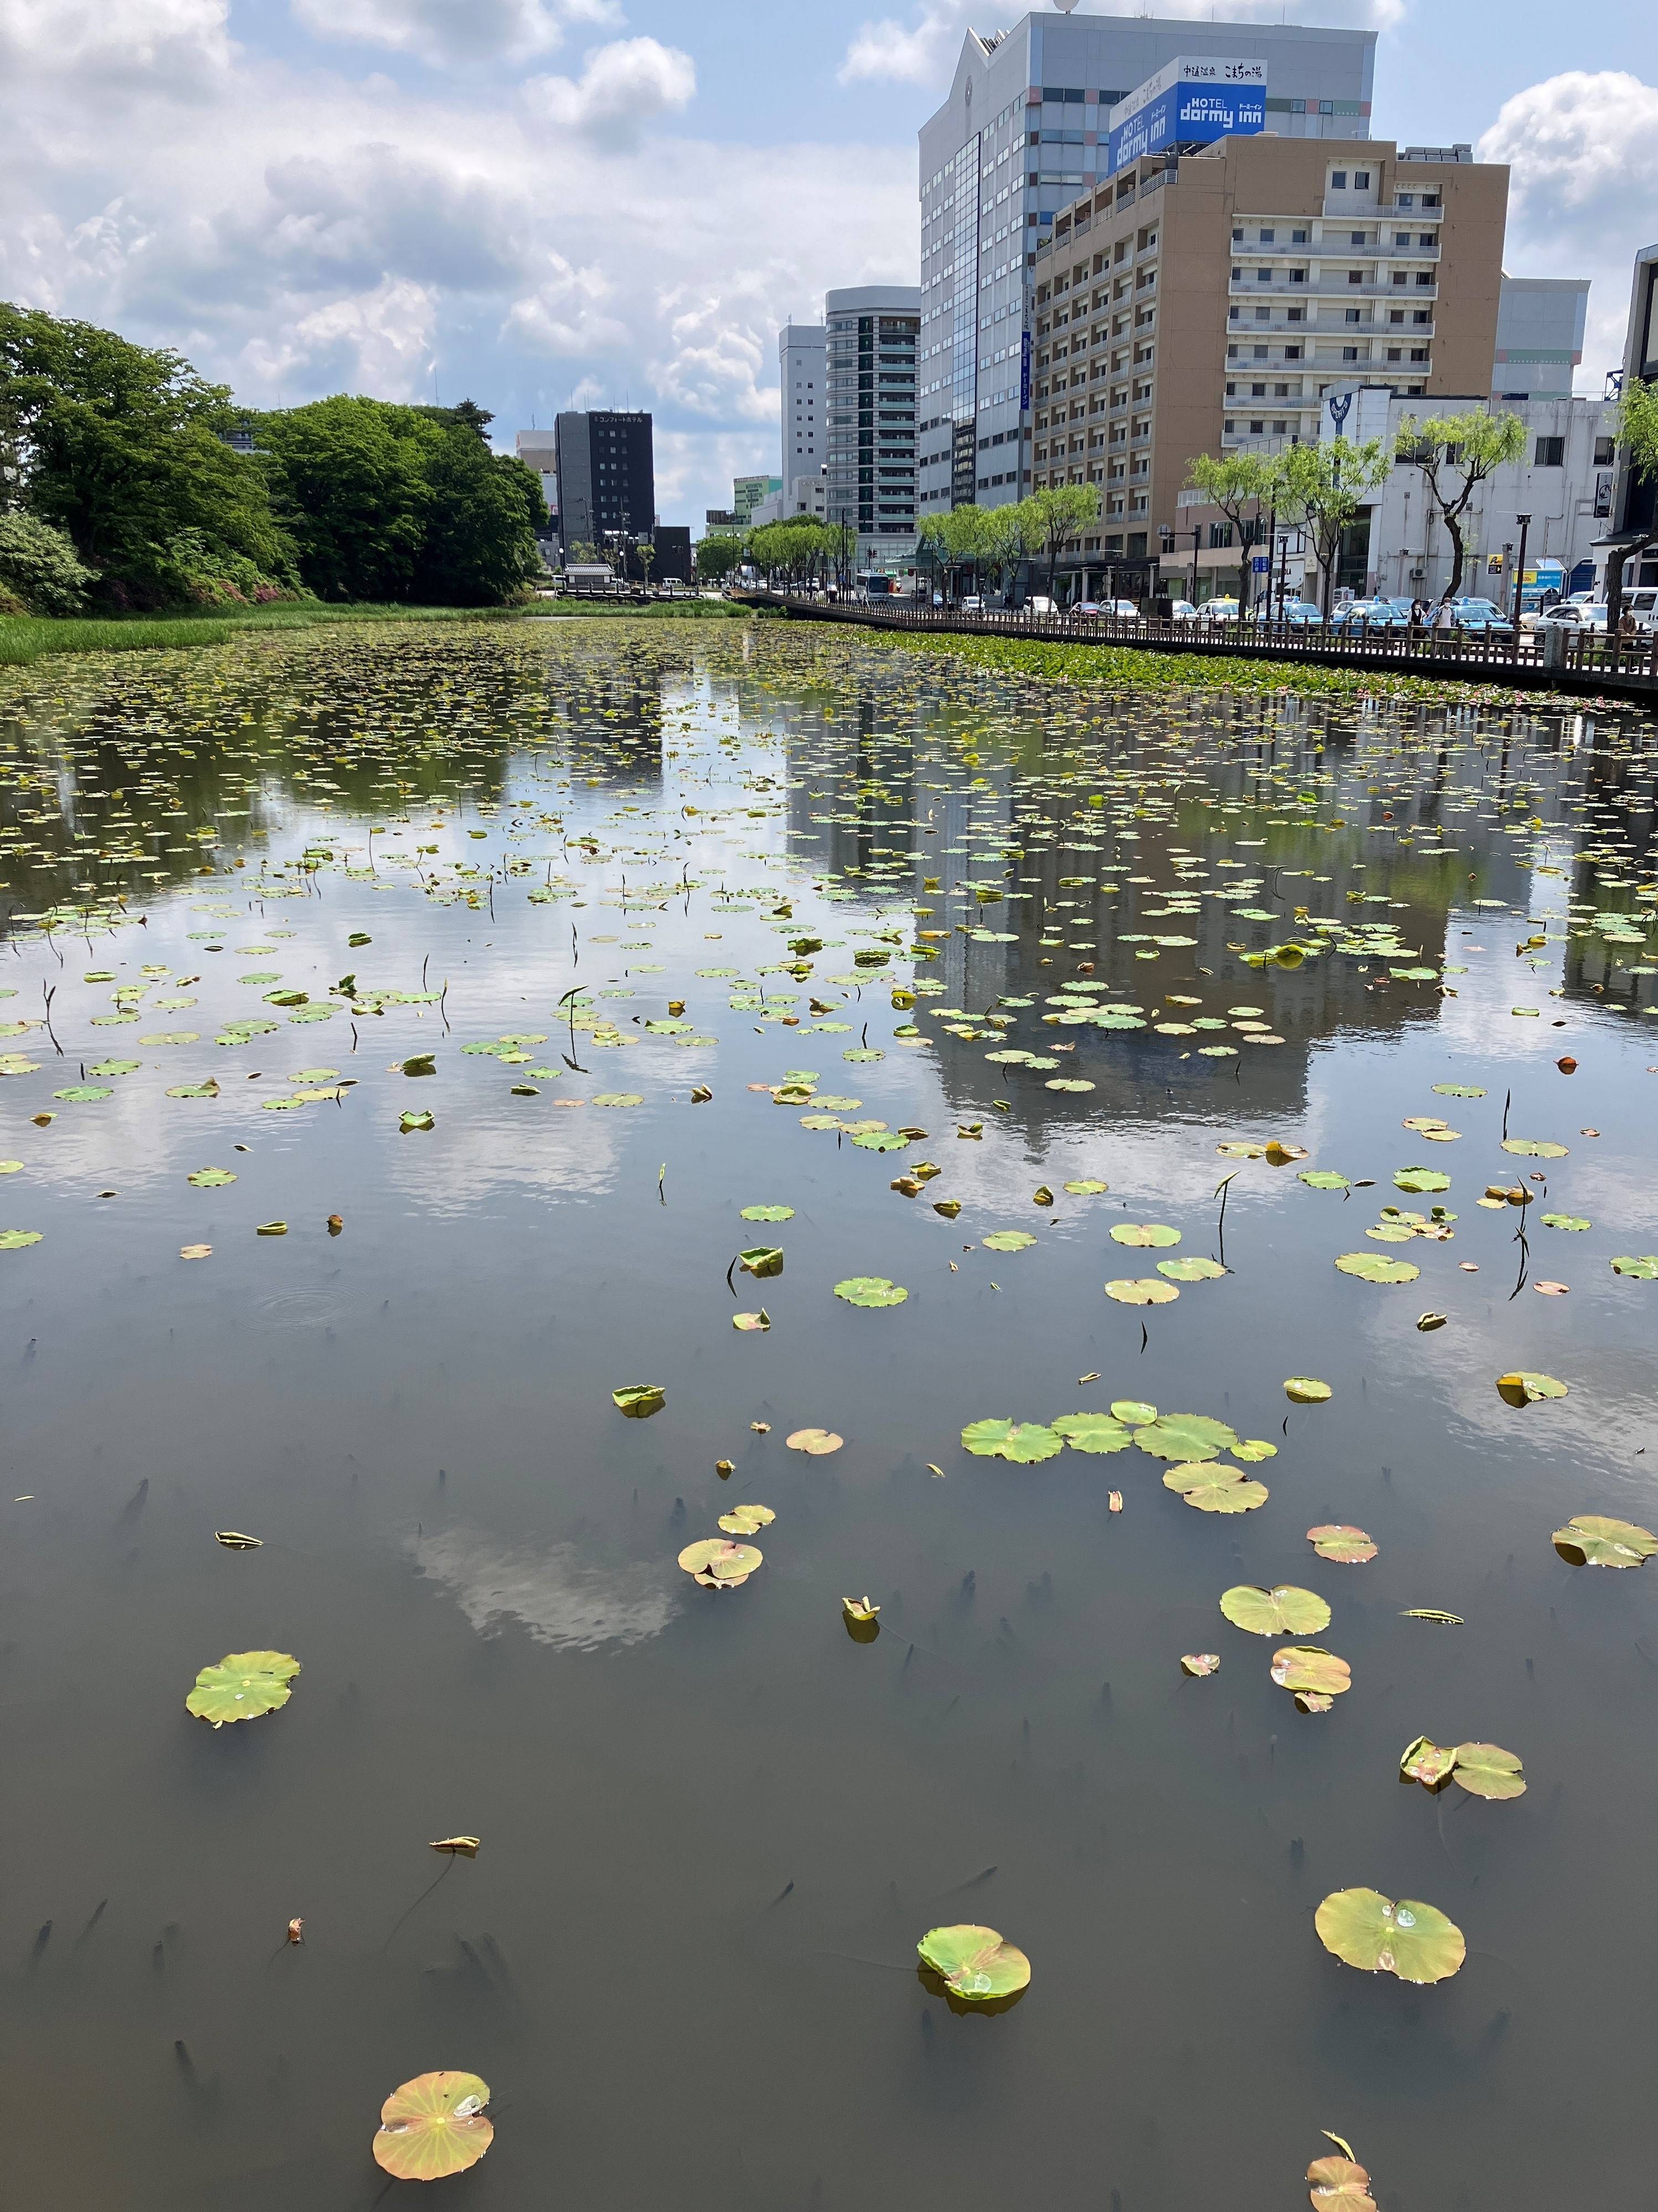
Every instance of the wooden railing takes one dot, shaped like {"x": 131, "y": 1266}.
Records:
{"x": 1558, "y": 659}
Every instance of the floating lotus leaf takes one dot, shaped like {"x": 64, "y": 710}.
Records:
{"x": 457, "y": 1847}
{"x": 1022, "y": 1442}
{"x": 1427, "y": 1322}
{"x": 639, "y": 1400}
{"x": 1534, "y": 1148}
{"x": 859, "y": 1608}
{"x": 1425, "y": 1124}
{"x": 1324, "y": 1179}
{"x": 84, "y": 1094}
{"x": 1433, "y": 1613}
{"x": 409, "y": 1122}
{"x": 433, "y": 2126}
{"x": 1524, "y": 1387}
{"x": 1365, "y": 1929}
{"x": 1200, "y": 1664}
{"x": 1642, "y": 1268}
{"x": 1134, "y": 1410}
{"x": 233, "y": 1540}
{"x": 1007, "y": 1240}
{"x": 14, "y": 1240}
{"x": 818, "y": 1441}
{"x": 870, "y": 1291}
{"x": 1091, "y": 1432}
{"x": 1371, "y": 1267}
{"x": 746, "y": 1519}
{"x": 761, "y": 1260}
{"x": 1213, "y": 1488}
{"x": 210, "y": 1178}
{"x": 1307, "y": 1390}
{"x": 1285, "y": 1611}
{"x": 1590, "y": 1539}
{"x": 1421, "y": 1179}
{"x": 752, "y": 1321}
{"x": 1192, "y": 1270}
{"x": 881, "y": 1141}
{"x": 1309, "y": 1667}
{"x": 1141, "y": 1290}
{"x": 1087, "y": 1188}
{"x": 1347, "y": 1548}
{"x": 1486, "y": 1770}
{"x": 975, "y": 1963}
{"x": 1253, "y": 1448}
{"x": 767, "y": 1214}
{"x": 1428, "y": 1763}
{"x": 1185, "y": 1436}
{"x": 1457, "y": 1090}
{"x": 207, "y": 1089}
{"x": 719, "y": 1564}
{"x": 1339, "y": 2185}
{"x": 244, "y": 1685}
{"x": 1149, "y": 1233}
{"x": 1576, "y": 1221}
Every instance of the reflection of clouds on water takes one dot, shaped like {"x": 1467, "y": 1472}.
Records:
{"x": 558, "y": 1596}
{"x": 563, "y": 1152}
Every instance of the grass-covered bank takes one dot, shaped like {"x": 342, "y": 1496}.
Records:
{"x": 26, "y": 638}
{"x": 1140, "y": 669}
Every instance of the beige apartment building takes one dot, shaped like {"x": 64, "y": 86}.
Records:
{"x": 1205, "y": 303}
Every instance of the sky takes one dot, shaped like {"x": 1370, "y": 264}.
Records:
{"x": 538, "y": 204}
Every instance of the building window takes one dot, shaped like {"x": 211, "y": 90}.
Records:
{"x": 1267, "y": 237}
{"x": 1338, "y": 181}
{"x": 1292, "y": 353}
{"x": 1395, "y": 315}
{"x": 1419, "y": 353}
{"x": 1349, "y": 353}
{"x": 1550, "y": 454}
{"x": 1395, "y": 353}
{"x": 1298, "y": 238}
{"x": 1352, "y": 314}
{"x": 1297, "y": 276}
{"x": 1604, "y": 449}
{"x": 1361, "y": 180}
{"x": 1297, "y": 314}
{"x": 1355, "y": 276}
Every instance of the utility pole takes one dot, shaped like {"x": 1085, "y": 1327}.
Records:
{"x": 1524, "y": 520}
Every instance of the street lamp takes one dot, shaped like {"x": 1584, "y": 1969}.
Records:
{"x": 1524, "y": 520}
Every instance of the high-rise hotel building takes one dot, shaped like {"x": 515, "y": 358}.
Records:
{"x": 1024, "y": 133}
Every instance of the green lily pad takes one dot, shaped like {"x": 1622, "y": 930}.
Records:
{"x": 243, "y": 1685}
{"x": 1345, "y": 1546}
{"x": 172, "y": 1036}
{"x": 746, "y": 1519}
{"x": 210, "y": 1178}
{"x": 1007, "y": 1240}
{"x": 117, "y": 1067}
{"x": 1309, "y": 1668}
{"x": 84, "y": 1094}
{"x": 1457, "y": 1090}
{"x": 1025, "y": 1443}
{"x": 767, "y": 1214}
{"x": 433, "y": 2126}
{"x": 719, "y": 1563}
{"x": 880, "y": 1140}
{"x": 639, "y": 1400}
{"x": 1534, "y": 1148}
{"x": 207, "y": 1089}
{"x": 619, "y": 1098}
{"x": 1576, "y": 1221}
{"x": 1087, "y": 1188}
{"x": 1091, "y": 1432}
{"x": 1253, "y": 1448}
{"x": 1285, "y": 1611}
{"x": 870, "y": 1291}
{"x": 1486, "y": 1770}
{"x": 1134, "y": 1410}
{"x": 1192, "y": 1270}
{"x": 14, "y": 1240}
{"x": 1144, "y": 1233}
{"x": 1185, "y": 1436}
{"x": 1339, "y": 2185}
{"x": 1524, "y": 1387}
{"x": 1365, "y": 1929}
{"x": 975, "y": 1964}
{"x": 1642, "y": 1269}
{"x": 761, "y": 1260}
{"x": 1421, "y": 1179}
{"x": 1324, "y": 1179}
{"x": 1214, "y": 1488}
{"x": 1371, "y": 1267}
{"x": 1141, "y": 1290}
{"x": 1428, "y": 1763}
{"x": 1590, "y": 1539}
{"x": 1307, "y": 1390}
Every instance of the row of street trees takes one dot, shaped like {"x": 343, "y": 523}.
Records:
{"x": 119, "y": 487}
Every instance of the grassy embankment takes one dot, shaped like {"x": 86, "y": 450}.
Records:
{"x": 25, "y": 638}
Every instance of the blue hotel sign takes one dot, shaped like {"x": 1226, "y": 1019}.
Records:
{"x": 1191, "y": 101}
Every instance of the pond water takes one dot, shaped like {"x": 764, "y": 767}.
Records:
{"x": 251, "y": 891}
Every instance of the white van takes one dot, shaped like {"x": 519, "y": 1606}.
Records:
{"x": 1643, "y": 605}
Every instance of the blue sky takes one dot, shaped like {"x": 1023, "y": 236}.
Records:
{"x": 534, "y": 201}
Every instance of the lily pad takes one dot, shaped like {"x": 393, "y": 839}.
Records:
{"x": 1427, "y": 1762}
{"x": 1576, "y": 1221}
{"x": 1253, "y": 1448}
{"x": 1421, "y": 1179}
{"x": 1458, "y": 1091}
{"x": 975, "y": 1964}
{"x": 1371, "y": 1267}
{"x": 880, "y": 1140}
{"x": 1200, "y": 1664}
{"x": 1343, "y": 1546}
{"x": 1025, "y": 1443}
{"x": 1309, "y": 1667}
{"x": 433, "y": 2126}
{"x": 14, "y": 1240}
{"x": 1534, "y": 1148}
{"x": 1212, "y": 1487}
{"x": 244, "y": 1685}
{"x": 1524, "y": 1387}
{"x": 1191, "y": 1270}
{"x": 1365, "y": 1929}
{"x": 1307, "y": 1390}
{"x": 408, "y": 1123}
{"x": 1091, "y": 1432}
{"x": 210, "y": 1178}
{"x": 1486, "y": 1770}
{"x": 1148, "y": 1233}
{"x": 764, "y": 1260}
{"x": 1087, "y": 1188}
{"x": 1007, "y": 1240}
{"x": 767, "y": 1214}
{"x": 639, "y": 1400}
{"x": 1591, "y": 1540}
{"x": 1285, "y": 1611}
{"x": 1339, "y": 2185}
{"x": 1641, "y": 1269}
{"x": 84, "y": 1094}
{"x": 819, "y": 1442}
{"x": 1141, "y": 1290}
{"x": 752, "y": 1322}
{"x": 870, "y": 1291}
{"x": 1134, "y": 1410}
{"x": 1185, "y": 1436}
{"x": 719, "y": 1564}
{"x": 746, "y": 1519}
{"x": 1324, "y": 1179}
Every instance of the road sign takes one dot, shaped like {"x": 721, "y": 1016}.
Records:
{"x": 1261, "y": 564}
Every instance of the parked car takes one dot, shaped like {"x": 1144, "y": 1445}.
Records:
{"x": 1572, "y": 614}
{"x": 973, "y": 604}
{"x": 1303, "y": 613}
{"x": 1482, "y": 616}
{"x": 1183, "y": 610}
{"x": 1040, "y": 604}
{"x": 1217, "y": 611}
{"x": 1369, "y": 614}
{"x": 1110, "y": 609}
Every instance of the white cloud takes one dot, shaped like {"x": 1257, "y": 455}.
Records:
{"x": 923, "y": 49}
{"x": 177, "y": 45}
{"x": 625, "y": 86}
{"x": 378, "y": 342}
{"x": 1582, "y": 148}
{"x": 561, "y": 1598}
{"x": 450, "y": 31}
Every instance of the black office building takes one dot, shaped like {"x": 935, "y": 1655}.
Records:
{"x": 606, "y": 480}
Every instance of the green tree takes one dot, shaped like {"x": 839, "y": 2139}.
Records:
{"x": 122, "y": 448}
{"x": 480, "y": 546}
{"x": 717, "y": 555}
{"x": 1455, "y": 453}
{"x": 1059, "y": 514}
{"x": 1325, "y": 485}
{"x": 1236, "y": 484}
{"x": 39, "y": 570}
{"x": 1637, "y": 432}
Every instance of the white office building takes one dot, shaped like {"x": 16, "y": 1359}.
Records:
{"x": 803, "y": 361}
{"x": 872, "y": 370}
{"x": 1025, "y": 131}
{"x": 1540, "y": 337}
